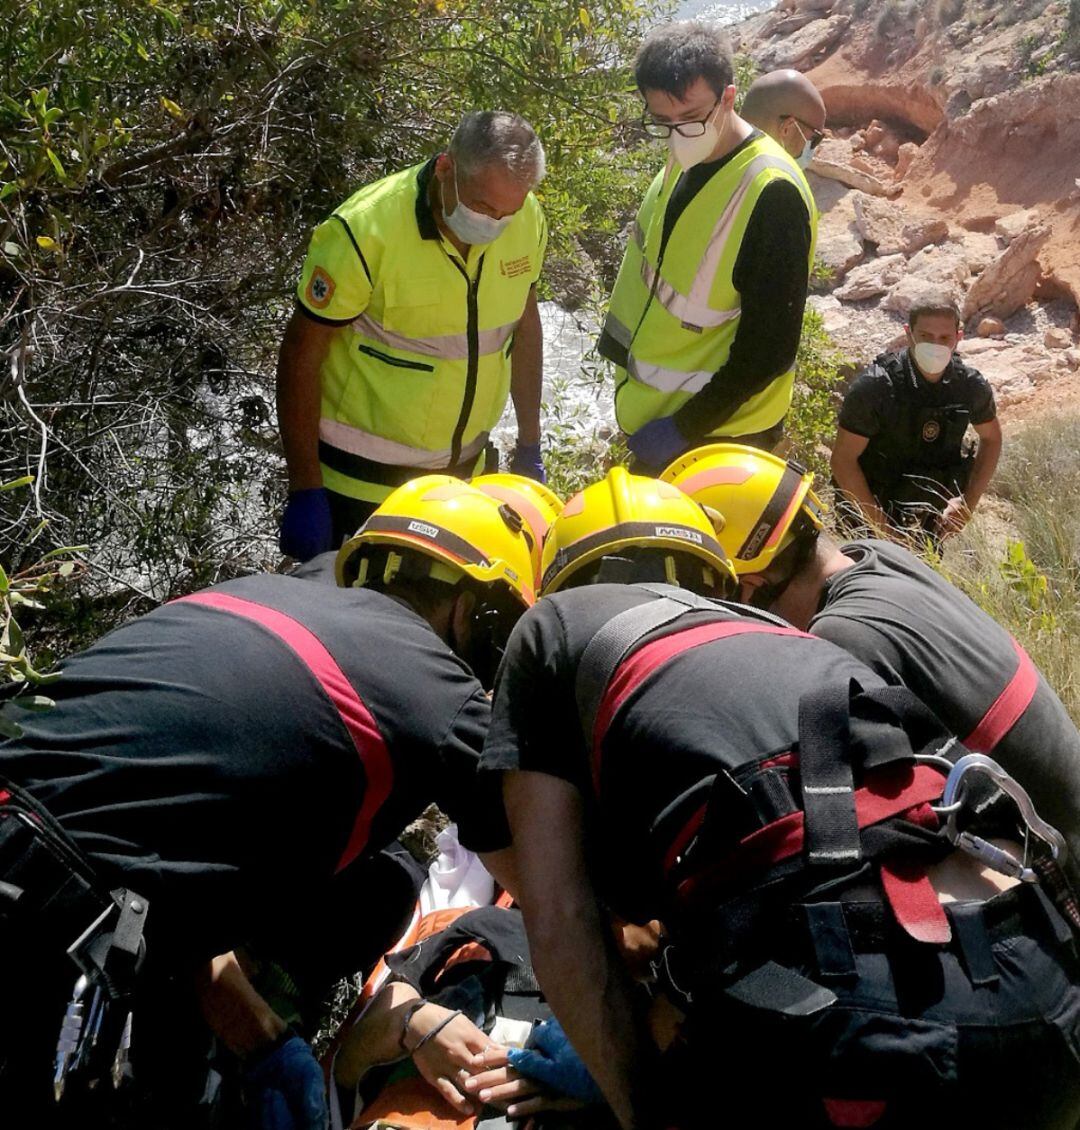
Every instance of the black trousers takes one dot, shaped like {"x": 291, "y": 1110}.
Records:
{"x": 912, "y": 1041}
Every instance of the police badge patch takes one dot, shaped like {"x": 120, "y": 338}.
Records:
{"x": 320, "y": 289}
{"x": 930, "y": 431}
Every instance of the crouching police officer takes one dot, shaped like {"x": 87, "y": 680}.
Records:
{"x": 766, "y": 796}
{"x": 207, "y": 771}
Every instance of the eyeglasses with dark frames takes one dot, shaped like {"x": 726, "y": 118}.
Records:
{"x": 684, "y": 129}
{"x": 816, "y": 136}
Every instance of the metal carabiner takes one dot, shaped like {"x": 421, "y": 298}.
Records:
{"x": 996, "y": 858}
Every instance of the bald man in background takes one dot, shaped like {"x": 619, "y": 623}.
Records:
{"x": 787, "y": 106}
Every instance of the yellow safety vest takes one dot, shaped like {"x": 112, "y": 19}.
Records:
{"x": 421, "y": 372}
{"x": 671, "y": 324}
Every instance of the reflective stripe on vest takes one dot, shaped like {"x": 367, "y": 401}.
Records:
{"x": 674, "y": 317}
{"x": 642, "y": 664}
{"x": 358, "y": 442}
{"x": 1007, "y": 708}
{"x": 357, "y": 719}
{"x": 448, "y": 347}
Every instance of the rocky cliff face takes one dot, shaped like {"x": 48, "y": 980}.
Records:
{"x": 953, "y": 160}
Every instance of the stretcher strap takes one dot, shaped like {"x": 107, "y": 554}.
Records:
{"x": 1007, "y": 707}
{"x": 355, "y": 716}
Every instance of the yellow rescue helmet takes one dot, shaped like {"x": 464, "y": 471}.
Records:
{"x": 462, "y": 531}
{"x": 537, "y": 505}
{"x": 762, "y": 501}
{"x": 624, "y": 511}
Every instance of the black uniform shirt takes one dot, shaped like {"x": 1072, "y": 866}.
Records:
{"x": 912, "y": 423}
{"x": 195, "y": 758}
{"x": 915, "y": 629}
{"x": 715, "y": 706}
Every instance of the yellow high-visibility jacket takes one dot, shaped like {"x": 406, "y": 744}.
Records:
{"x": 422, "y": 373}
{"x": 672, "y": 321}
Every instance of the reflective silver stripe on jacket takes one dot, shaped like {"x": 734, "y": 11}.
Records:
{"x": 358, "y": 442}
{"x": 664, "y": 379}
{"x": 447, "y": 347}
{"x": 693, "y": 309}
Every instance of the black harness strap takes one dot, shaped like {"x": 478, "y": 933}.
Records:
{"x": 610, "y": 646}
{"x": 827, "y": 782}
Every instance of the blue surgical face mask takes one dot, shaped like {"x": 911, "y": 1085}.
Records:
{"x": 470, "y": 226}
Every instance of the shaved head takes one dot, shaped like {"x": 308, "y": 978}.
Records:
{"x": 781, "y": 100}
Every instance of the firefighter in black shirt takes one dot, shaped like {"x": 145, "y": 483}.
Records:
{"x": 224, "y": 757}
{"x": 897, "y": 615}
{"x": 899, "y": 452}
{"x": 764, "y": 794}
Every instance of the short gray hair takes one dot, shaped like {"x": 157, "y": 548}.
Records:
{"x": 496, "y": 137}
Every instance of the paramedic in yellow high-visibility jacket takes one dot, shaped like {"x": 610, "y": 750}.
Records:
{"x": 707, "y": 309}
{"x": 416, "y": 318}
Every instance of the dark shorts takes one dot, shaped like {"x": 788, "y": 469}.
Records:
{"x": 912, "y": 1042}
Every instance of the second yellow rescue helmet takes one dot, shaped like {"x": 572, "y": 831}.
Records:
{"x": 537, "y": 505}
{"x": 763, "y": 500}
{"x": 626, "y": 512}
{"x": 459, "y": 530}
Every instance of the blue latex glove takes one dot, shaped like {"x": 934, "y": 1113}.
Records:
{"x": 286, "y": 1089}
{"x": 550, "y": 1059}
{"x": 306, "y": 528}
{"x": 526, "y": 461}
{"x": 657, "y": 443}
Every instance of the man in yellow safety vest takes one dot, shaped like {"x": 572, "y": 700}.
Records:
{"x": 707, "y": 308}
{"x": 416, "y": 317}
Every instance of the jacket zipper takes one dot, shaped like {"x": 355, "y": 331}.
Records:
{"x": 400, "y": 362}
{"x": 472, "y": 334}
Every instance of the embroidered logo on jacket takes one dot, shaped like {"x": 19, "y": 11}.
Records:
{"x": 320, "y": 289}
{"x": 511, "y": 268}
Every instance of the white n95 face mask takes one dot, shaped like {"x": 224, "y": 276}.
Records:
{"x": 691, "y": 151}
{"x": 932, "y": 359}
{"x": 471, "y": 226}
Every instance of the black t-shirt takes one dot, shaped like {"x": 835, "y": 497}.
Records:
{"x": 714, "y": 707}
{"x": 193, "y": 756}
{"x": 916, "y": 630}
{"x": 911, "y": 422}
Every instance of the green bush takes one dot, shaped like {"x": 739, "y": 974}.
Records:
{"x": 162, "y": 163}
{"x": 819, "y": 367}
{"x": 1030, "y": 580}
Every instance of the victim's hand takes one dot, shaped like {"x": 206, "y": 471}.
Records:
{"x": 447, "y": 1060}
{"x": 495, "y": 1083}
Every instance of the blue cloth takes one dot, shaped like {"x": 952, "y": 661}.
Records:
{"x": 306, "y": 528}
{"x": 286, "y": 1089}
{"x": 657, "y": 443}
{"x": 526, "y": 461}
{"x": 550, "y": 1059}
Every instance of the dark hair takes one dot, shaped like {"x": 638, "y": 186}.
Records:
{"x": 673, "y": 57}
{"x": 934, "y": 304}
